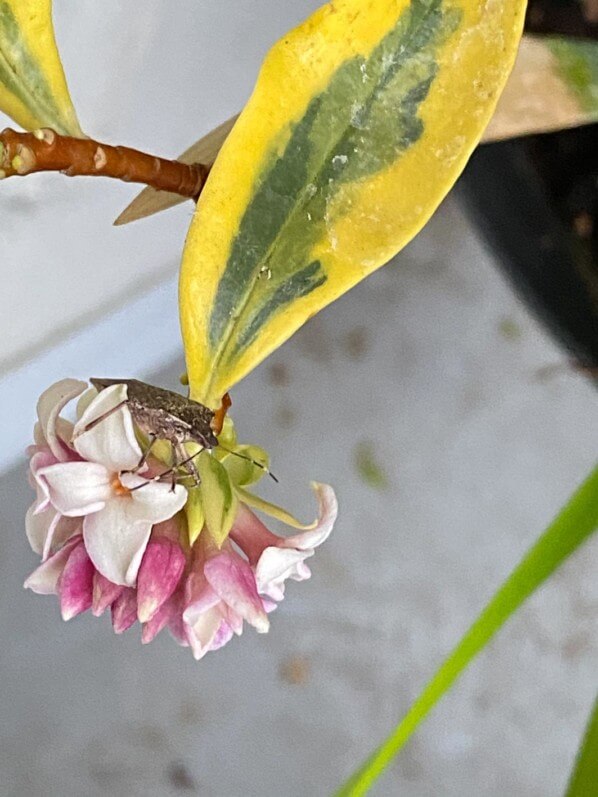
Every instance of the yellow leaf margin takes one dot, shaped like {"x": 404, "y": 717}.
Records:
{"x": 33, "y": 89}
{"x": 373, "y": 218}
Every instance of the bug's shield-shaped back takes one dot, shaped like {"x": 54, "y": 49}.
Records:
{"x": 361, "y": 121}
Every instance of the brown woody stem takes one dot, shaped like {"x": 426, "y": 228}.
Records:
{"x": 44, "y": 150}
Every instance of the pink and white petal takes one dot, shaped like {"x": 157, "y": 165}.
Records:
{"x": 203, "y": 632}
{"x": 104, "y": 594}
{"x": 44, "y": 580}
{"x": 41, "y": 458}
{"x": 168, "y": 530}
{"x": 154, "y": 501}
{"x": 161, "y": 568}
{"x": 272, "y": 592}
{"x": 111, "y": 441}
{"x": 199, "y": 597}
{"x": 270, "y": 603}
{"x": 175, "y": 623}
{"x": 278, "y": 564}
{"x": 327, "y": 514}
{"x": 50, "y": 404}
{"x": 251, "y": 535}
{"x": 76, "y": 583}
{"x": 234, "y": 620}
{"x": 77, "y": 488}
{"x": 116, "y": 540}
{"x": 124, "y": 611}
{"x": 223, "y": 636}
{"x": 161, "y": 619}
{"x": 39, "y": 526}
{"x": 232, "y": 578}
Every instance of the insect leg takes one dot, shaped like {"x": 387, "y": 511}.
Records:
{"x": 187, "y": 463}
{"x": 104, "y": 415}
{"x": 172, "y": 471}
{"x": 175, "y": 464}
{"x": 146, "y": 453}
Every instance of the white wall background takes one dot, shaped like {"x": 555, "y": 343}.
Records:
{"x": 154, "y": 75}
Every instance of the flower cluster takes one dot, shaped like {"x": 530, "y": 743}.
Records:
{"x": 113, "y": 534}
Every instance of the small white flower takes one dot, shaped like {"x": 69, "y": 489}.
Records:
{"x": 117, "y": 518}
{"x": 110, "y": 534}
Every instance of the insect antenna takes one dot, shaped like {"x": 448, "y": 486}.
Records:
{"x": 192, "y": 457}
{"x": 253, "y": 461}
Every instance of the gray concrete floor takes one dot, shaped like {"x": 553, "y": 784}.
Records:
{"x": 435, "y": 364}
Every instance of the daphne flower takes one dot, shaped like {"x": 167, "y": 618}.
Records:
{"x": 112, "y": 537}
{"x": 221, "y": 592}
{"x": 46, "y": 528}
{"x": 278, "y": 558}
{"x": 117, "y": 517}
{"x": 227, "y": 588}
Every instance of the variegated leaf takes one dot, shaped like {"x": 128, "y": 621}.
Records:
{"x": 33, "y": 89}
{"x": 554, "y": 85}
{"x": 219, "y": 501}
{"x": 194, "y": 512}
{"x": 361, "y": 121}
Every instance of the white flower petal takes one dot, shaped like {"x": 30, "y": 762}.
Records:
{"x": 38, "y": 526}
{"x": 77, "y": 488}
{"x": 50, "y": 404}
{"x": 278, "y": 564}
{"x": 111, "y": 441}
{"x": 327, "y": 513}
{"x": 154, "y": 501}
{"x": 85, "y": 400}
{"x": 44, "y": 580}
{"x": 48, "y": 530}
{"x": 116, "y": 540}
{"x": 41, "y": 459}
{"x": 203, "y": 631}
{"x": 60, "y": 532}
{"x": 38, "y": 436}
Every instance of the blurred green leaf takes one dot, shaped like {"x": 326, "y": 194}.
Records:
{"x": 584, "y": 779}
{"x": 368, "y": 467}
{"x": 572, "y": 527}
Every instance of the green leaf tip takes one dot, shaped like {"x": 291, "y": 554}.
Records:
{"x": 584, "y": 779}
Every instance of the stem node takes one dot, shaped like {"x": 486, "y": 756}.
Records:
{"x": 45, "y": 150}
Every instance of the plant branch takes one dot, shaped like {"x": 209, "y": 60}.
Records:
{"x": 44, "y": 150}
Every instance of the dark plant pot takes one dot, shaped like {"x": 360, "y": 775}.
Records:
{"x": 535, "y": 200}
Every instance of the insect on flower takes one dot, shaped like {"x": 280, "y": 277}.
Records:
{"x": 161, "y": 555}
{"x": 165, "y": 415}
